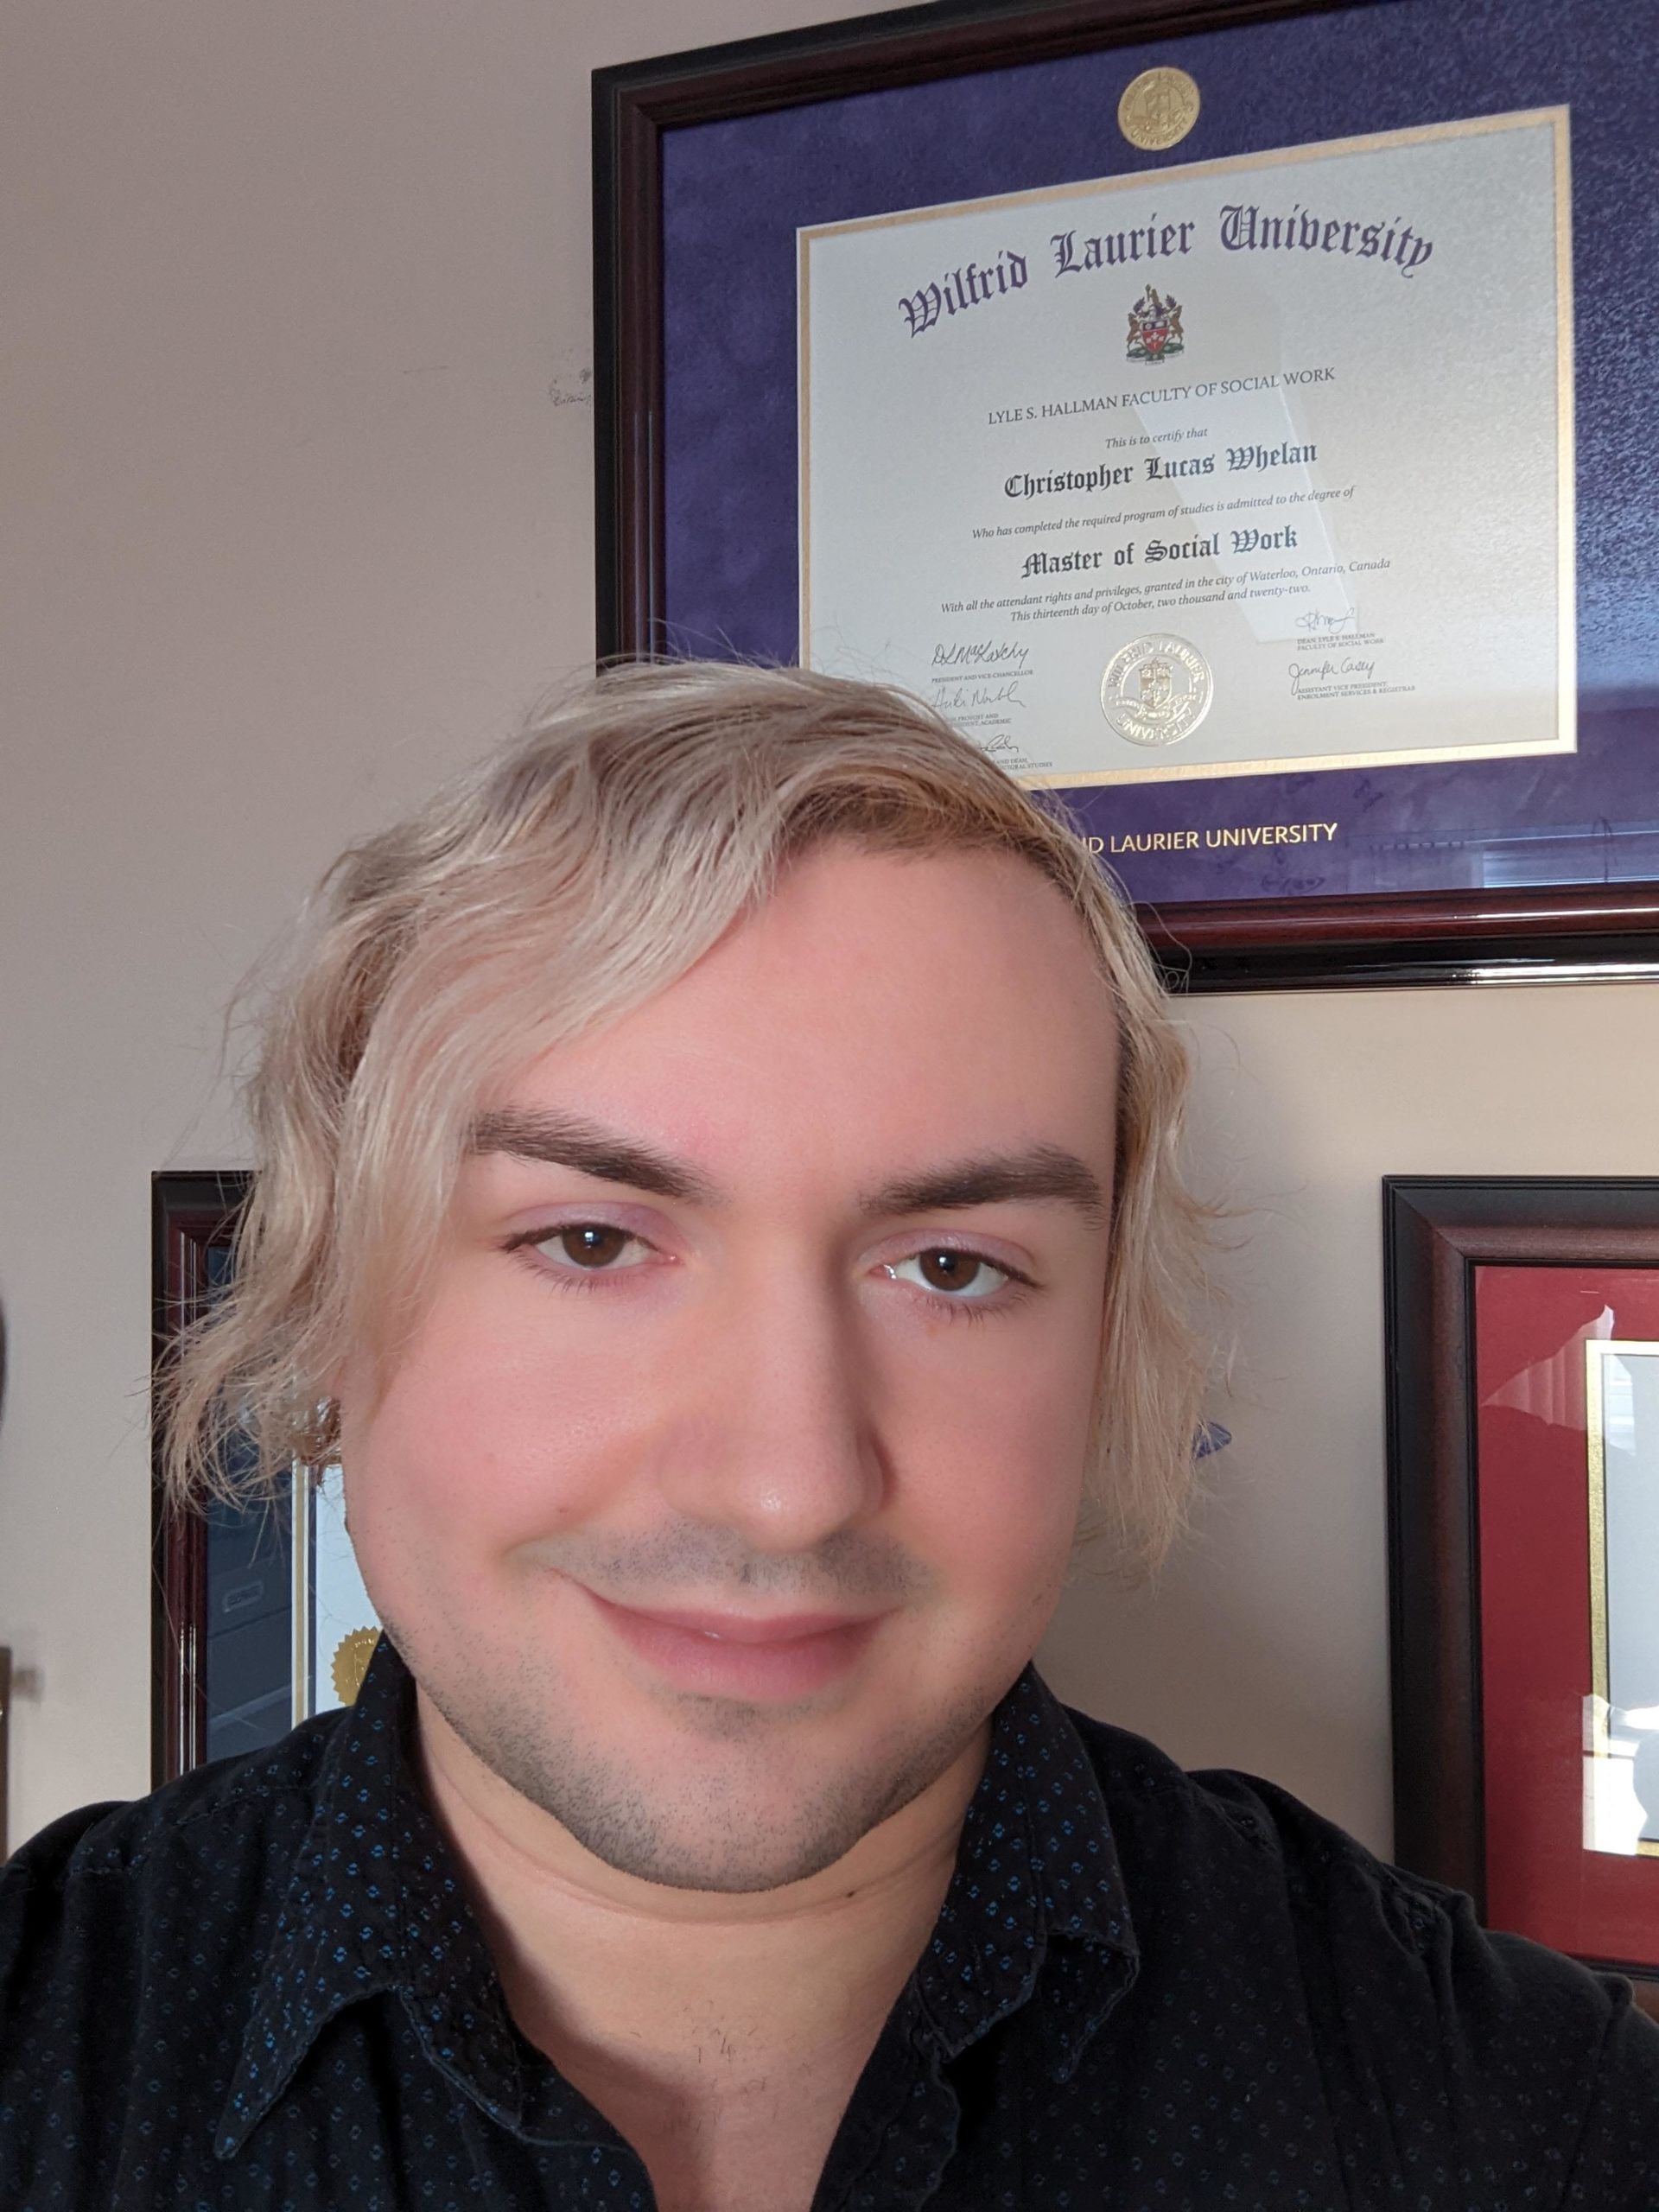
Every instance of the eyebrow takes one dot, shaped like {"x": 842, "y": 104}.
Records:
{"x": 1042, "y": 1171}
{"x": 563, "y": 1140}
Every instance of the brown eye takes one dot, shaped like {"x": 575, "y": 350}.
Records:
{"x": 966, "y": 1278}
{"x": 591, "y": 1245}
{"x": 948, "y": 1271}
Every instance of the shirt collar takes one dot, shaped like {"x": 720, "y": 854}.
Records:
{"x": 1038, "y": 1891}
{"x": 374, "y": 1904}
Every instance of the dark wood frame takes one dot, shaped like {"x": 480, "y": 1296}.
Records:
{"x": 1436, "y": 1232}
{"x": 191, "y": 1215}
{"x": 1398, "y": 939}
{"x": 5, "y": 1745}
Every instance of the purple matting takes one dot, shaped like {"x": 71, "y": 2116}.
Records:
{"x": 736, "y": 192}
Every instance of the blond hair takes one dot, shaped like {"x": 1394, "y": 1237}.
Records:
{"x": 562, "y": 882}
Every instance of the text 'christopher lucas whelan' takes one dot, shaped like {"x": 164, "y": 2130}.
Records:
{"x": 1242, "y": 230}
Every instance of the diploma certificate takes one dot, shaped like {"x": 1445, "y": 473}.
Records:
{"x": 1250, "y": 466}
{"x": 1621, "y": 1796}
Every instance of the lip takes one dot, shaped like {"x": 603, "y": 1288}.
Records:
{"x": 766, "y": 1660}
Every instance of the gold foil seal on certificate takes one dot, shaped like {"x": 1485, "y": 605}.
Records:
{"x": 1157, "y": 690}
{"x": 1158, "y": 109}
{"x": 351, "y": 1656}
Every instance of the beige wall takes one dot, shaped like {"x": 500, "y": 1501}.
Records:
{"x": 298, "y": 514}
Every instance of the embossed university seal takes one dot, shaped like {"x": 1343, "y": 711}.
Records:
{"x": 1156, "y": 690}
{"x": 351, "y": 1656}
{"x": 1158, "y": 109}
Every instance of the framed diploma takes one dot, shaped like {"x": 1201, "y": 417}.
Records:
{"x": 1188, "y": 397}
{"x": 335, "y": 1625}
{"x": 1161, "y": 555}
{"x": 258, "y": 1616}
{"x": 1523, "y": 1382}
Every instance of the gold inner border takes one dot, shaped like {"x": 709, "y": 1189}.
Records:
{"x": 1597, "y": 1352}
{"x": 1566, "y": 738}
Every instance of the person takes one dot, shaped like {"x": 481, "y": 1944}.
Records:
{"x": 718, "y": 1201}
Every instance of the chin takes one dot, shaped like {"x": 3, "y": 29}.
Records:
{"x": 724, "y": 1801}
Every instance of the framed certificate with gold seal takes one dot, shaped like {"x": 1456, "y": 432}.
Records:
{"x": 1227, "y": 412}
{"x": 335, "y": 1625}
{"x": 258, "y": 1615}
{"x": 1157, "y": 480}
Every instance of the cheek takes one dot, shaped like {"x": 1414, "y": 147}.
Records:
{"x": 996, "y": 1467}
{"x": 477, "y": 1444}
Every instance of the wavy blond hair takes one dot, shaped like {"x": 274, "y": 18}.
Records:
{"x": 562, "y": 882}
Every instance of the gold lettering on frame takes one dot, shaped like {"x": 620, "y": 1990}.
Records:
{"x": 1241, "y": 835}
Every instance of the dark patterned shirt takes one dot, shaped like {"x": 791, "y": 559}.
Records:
{"x": 263, "y": 1987}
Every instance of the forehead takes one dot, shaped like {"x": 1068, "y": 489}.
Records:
{"x": 875, "y": 1004}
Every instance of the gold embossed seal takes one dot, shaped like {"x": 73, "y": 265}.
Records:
{"x": 351, "y": 1656}
{"x": 1156, "y": 690}
{"x": 1158, "y": 109}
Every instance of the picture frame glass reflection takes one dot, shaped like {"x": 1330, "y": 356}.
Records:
{"x": 1622, "y": 1732}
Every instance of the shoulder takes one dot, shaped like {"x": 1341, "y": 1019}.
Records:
{"x": 1268, "y": 1852}
{"x": 1513, "y": 2049}
{"x": 123, "y": 1837}
{"x": 105, "y": 1892}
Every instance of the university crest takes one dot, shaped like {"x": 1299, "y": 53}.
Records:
{"x": 1154, "y": 326}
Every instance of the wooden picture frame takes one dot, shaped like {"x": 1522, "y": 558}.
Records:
{"x": 1480, "y": 1540}
{"x": 5, "y": 1749}
{"x": 1582, "y": 902}
{"x": 193, "y": 1227}
{"x": 260, "y": 1619}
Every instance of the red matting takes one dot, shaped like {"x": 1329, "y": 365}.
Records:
{"x": 1533, "y": 1487}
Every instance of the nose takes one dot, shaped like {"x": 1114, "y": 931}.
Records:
{"x": 778, "y": 1438}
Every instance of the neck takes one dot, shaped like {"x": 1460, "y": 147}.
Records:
{"x": 607, "y": 1973}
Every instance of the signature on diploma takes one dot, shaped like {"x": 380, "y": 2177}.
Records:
{"x": 1329, "y": 626}
{"x": 955, "y": 698}
{"x": 977, "y": 656}
{"x": 1306, "y": 675}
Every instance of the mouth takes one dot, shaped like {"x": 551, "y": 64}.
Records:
{"x": 765, "y": 1659}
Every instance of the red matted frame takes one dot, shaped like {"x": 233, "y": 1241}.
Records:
{"x": 1492, "y": 1289}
